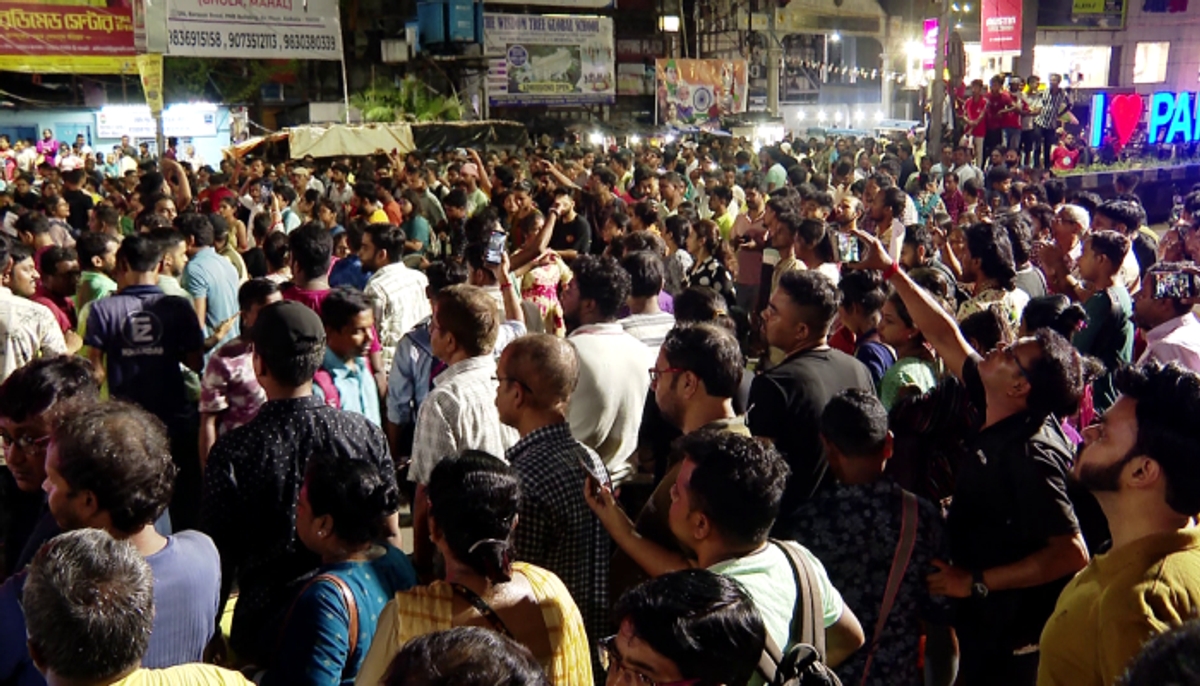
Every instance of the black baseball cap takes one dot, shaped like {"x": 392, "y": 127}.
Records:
{"x": 288, "y": 328}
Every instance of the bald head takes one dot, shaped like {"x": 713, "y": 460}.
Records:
{"x": 547, "y": 365}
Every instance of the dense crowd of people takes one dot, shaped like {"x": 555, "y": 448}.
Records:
{"x": 684, "y": 414}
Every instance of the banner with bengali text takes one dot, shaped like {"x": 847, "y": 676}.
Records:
{"x": 75, "y": 36}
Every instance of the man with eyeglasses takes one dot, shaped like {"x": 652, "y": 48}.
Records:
{"x": 27, "y": 399}
{"x": 536, "y": 375}
{"x": 687, "y": 627}
{"x": 1013, "y": 534}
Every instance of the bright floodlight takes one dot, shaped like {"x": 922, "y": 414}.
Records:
{"x": 835, "y": 37}
{"x": 596, "y": 138}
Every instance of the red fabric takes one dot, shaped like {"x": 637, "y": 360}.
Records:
{"x": 976, "y": 108}
{"x": 842, "y": 339}
{"x": 999, "y": 101}
{"x": 1064, "y": 159}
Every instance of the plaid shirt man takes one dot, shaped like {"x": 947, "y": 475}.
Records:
{"x": 556, "y": 529}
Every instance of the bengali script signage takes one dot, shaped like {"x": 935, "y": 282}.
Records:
{"x": 254, "y": 29}
{"x": 66, "y": 37}
{"x": 544, "y": 60}
{"x": 693, "y": 93}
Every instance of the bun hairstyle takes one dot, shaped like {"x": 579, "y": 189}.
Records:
{"x": 1055, "y": 312}
{"x": 474, "y": 498}
{"x": 355, "y": 493}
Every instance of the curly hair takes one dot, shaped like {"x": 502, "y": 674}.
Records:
{"x": 602, "y": 280}
{"x": 120, "y": 453}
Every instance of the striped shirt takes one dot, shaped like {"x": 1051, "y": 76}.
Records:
{"x": 1052, "y": 104}
{"x": 650, "y": 329}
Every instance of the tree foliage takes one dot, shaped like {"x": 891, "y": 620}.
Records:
{"x": 410, "y": 100}
{"x": 231, "y": 81}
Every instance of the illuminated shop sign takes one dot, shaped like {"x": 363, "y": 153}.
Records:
{"x": 1171, "y": 117}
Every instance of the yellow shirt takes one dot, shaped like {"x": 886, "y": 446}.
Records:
{"x": 1117, "y": 603}
{"x": 184, "y": 675}
{"x": 378, "y": 217}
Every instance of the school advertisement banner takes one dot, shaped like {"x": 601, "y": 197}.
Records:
{"x": 76, "y": 36}
{"x": 697, "y": 93}
{"x": 1000, "y": 26}
{"x": 254, "y": 29}
{"x": 557, "y": 60}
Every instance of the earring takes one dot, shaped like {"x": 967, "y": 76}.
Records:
{"x": 321, "y": 534}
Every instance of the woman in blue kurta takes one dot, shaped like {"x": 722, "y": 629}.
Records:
{"x": 340, "y": 516}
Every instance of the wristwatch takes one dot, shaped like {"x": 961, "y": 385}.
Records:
{"x": 978, "y": 588}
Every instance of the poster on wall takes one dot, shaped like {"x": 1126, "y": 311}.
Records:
{"x": 1000, "y": 26}
{"x": 549, "y": 60}
{"x": 1081, "y": 14}
{"x": 697, "y": 93}
{"x": 254, "y": 29}
{"x": 67, "y": 36}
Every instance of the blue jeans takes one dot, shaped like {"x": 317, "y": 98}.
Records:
{"x": 1012, "y": 139}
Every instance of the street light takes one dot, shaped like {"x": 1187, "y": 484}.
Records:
{"x": 596, "y": 138}
{"x": 635, "y": 139}
{"x": 800, "y": 115}
{"x": 668, "y": 23}
{"x": 835, "y": 37}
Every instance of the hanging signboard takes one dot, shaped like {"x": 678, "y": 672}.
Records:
{"x": 1081, "y": 14}
{"x": 560, "y": 60}
{"x": 1000, "y": 26}
{"x": 254, "y": 29}
{"x": 135, "y": 121}
{"x": 66, "y": 37}
{"x": 699, "y": 92}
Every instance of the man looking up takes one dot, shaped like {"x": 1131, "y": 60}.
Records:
{"x": 556, "y": 530}
{"x": 1012, "y": 530}
{"x": 1139, "y": 461}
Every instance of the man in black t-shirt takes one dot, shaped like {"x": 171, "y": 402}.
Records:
{"x": 787, "y": 400}
{"x": 1013, "y": 534}
{"x": 572, "y": 235}
{"x": 80, "y": 202}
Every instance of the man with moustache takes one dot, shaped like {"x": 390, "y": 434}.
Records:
{"x": 1139, "y": 461}
{"x": 749, "y": 236}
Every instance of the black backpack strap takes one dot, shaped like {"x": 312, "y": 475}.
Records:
{"x": 808, "y": 619}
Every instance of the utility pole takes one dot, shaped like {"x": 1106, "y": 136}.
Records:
{"x": 937, "y": 101}
{"x": 774, "y": 58}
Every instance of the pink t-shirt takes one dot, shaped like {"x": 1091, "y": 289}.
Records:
{"x": 230, "y": 388}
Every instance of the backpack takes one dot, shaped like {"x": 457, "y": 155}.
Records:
{"x": 804, "y": 663}
{"x": 324, "y": 380}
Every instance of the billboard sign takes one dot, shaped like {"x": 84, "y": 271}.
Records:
{"x": 254, "y": 29}
{"x": 135, "y": 121}
{"x": 697, "y": 93}
{"x": 66, "y": 37}
{"x": 1000, "y": 26}
{"x": 559, "y": 60}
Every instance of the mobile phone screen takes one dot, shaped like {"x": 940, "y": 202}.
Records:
{"x": 1174, "y": 285}
{"x": 847, "y": 247}
{"x": 495, "y": 248}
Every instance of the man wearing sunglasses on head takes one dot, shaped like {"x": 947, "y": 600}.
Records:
{"x": 1013, "y": 534}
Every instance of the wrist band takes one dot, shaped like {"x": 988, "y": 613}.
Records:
{"x": 506, "y": 285}
{"x": 892, "y": 270}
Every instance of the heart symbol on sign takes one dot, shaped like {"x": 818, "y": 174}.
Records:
{"x": 1126, "y": 112}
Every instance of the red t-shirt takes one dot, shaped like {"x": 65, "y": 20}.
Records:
{"x": 1062, "y": 158}
{"x": 996, "y": 120}
{"x": 216, "y": 195}
{"x": 976, "y": 108}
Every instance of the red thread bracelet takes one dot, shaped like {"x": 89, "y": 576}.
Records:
{"x": 892, "y": 270}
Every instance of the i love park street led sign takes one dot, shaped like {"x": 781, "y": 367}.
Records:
{"x": 1173, "y": 117}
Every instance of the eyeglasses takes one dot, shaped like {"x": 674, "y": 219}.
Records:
{"x": 506, "y": 379}
{"x": 610, "y": 659}
{"x": 24, "y": 443}
{"x": 1011, "y": 352}
{"x": 656, "y": 374}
